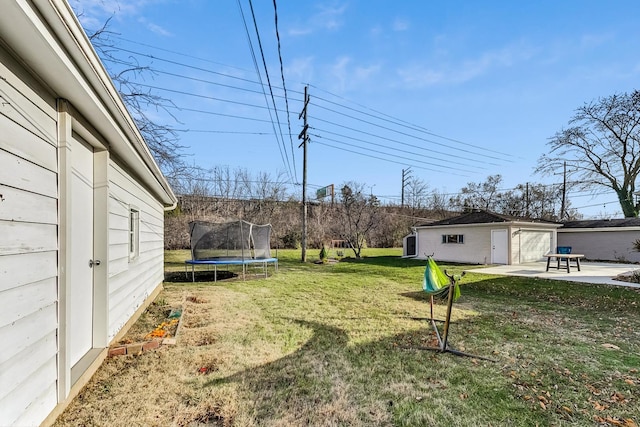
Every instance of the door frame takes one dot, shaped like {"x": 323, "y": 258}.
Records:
{"x": 71, "y": 126}
{"x": 506, "y": 244}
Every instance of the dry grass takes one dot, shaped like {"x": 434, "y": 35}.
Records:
{"x": 324, "y": 345}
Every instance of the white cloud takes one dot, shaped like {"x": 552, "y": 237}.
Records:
{"x": 155, "y": 28}
{"x": 400, "y": 25}
{"x": 446, "y": 72}
{"x": 328, "y": 18}
{"x": 300, "y": 70}
{"x": 94, "y": 13}
{"x": 345, "y": 75}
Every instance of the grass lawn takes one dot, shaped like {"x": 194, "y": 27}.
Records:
{"x": 330, "y": 345}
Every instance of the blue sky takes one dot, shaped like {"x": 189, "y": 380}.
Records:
{"x": 458, "y": 90}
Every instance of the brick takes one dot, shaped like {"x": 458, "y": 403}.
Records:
{"x": 134, "y": 348}
{"x": 117, "y": 351}
{"x": 150, "y": 345}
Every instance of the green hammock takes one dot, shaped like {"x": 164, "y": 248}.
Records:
{"x": 436, "y": 283}
{"x": 439, "y": 283}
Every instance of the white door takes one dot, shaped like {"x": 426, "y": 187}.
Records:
{"x": 499, "y": 247}
{"x": 81, "y": 252}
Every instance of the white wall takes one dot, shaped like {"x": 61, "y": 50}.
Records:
{"x": 476, "y": 248}
{"x": 34, "y": 371}
{"x": 28, "y": 252}
{"x": 531, "y": 245}
{"x": 603, "y": 244}
{"x": 132, "y": 281}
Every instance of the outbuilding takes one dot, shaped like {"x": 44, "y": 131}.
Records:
{"x": 482, "y": 237}
{"x": 82, "y": 207}
{"x": 602, "y": 239}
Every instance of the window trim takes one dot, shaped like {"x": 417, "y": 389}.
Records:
{"x": 134, "y": 233}
{"x": 453, "y": 239}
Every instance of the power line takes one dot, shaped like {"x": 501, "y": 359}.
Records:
{"x": 395, "y": 121}
{"x": 408, "y": 134}
{"x": 386, "y": 154}
{"x": 221, "y": 131}
{"x": 284, "y": 86}
{"x": 266, "y": 73}
{"x": 213, "y": 113}
{"x": 395, "y": 149}
{"x": 387, "y": 160}
{"x": 396, "y": 141}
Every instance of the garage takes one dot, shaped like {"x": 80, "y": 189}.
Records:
{"x": 534, "y": 244}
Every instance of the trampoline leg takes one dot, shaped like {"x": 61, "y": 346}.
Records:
{"x": 215, "y": 273}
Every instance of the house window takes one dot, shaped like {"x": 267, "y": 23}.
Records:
{"x": 452, "y": 238}
{"x": 134, "y": 233}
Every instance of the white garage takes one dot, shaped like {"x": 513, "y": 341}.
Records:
{"x": 481, "y": 237}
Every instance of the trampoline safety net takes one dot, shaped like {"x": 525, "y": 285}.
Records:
{"x": 236, "y": 240}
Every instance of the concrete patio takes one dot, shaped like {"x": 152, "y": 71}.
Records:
{"x": 591, "y": 272}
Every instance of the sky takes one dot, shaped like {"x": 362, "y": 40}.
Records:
{"x": 449, "y": 92}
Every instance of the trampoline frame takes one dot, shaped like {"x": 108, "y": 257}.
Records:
{"x": 229, "y": 261}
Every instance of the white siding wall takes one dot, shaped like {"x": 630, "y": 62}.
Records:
{"x": 476, "y": 248}
{"x": 28, "y": 253}
{"x": 132, "y": 281}
{"x": 531, "y": 245}
{"x": 603, "y": 244}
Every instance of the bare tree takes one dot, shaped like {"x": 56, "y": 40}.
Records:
{"x": 601, "y": 148}
{"x": 416, "y": 193}
{"x": 125, "y": 71}
{"x": 438, "y": 204}
{"x": 479, "y": 196}
{"x": 359, "y": 215}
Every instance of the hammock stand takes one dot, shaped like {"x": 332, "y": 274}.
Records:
{"x": 437, "y": 283}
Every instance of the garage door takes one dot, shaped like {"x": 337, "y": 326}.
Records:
{"x": 534, "y": 244}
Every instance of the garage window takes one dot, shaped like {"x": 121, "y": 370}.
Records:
{"x": 452, "y": 238}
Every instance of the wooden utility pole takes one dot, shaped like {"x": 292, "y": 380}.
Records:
{"x": 405, "y": 177}
{"x": 526, "y": 201}
{"x": 564, "y": 192}
{"x": 305, "y": 139}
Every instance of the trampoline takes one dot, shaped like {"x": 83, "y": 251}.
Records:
{"x": 230, "y": 243}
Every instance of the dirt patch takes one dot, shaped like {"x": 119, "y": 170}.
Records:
{"x": 199, "y": 276}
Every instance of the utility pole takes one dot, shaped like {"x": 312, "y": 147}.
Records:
{"x": 305, "y": 139}
{"x": 527, "y": 201}
{"x": 564, "y": 192}
{"x": 405, "y": 177}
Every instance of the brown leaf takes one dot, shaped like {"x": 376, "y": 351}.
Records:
{"x": 566, "y": 408}
{"x": 542, "y": 405}
{"x": 611, "y": 346}
{"x": 593, "y": 390}
{"x": 630, "y": 382}
{"x": 599, "y": 406}
{"x": 463, "y": 396}
{"x": 618, "y": 397}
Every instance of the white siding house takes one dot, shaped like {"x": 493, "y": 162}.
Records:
{"x": 81, "y": 212}
{"x": 481, "y": 237}
{"x": 603, "y": 239}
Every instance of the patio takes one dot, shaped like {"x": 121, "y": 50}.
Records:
{"x": 591, "y": 272}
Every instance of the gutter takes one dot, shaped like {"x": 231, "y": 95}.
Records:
{"x": 70, "y": 66}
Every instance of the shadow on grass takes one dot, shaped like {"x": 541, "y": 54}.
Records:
{"x": 386, "y": 261}
{"x": 327, "y": 375}
{"x": 199, "y": 276}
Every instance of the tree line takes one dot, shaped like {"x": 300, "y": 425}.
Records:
{"x": 354, "y": 217}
